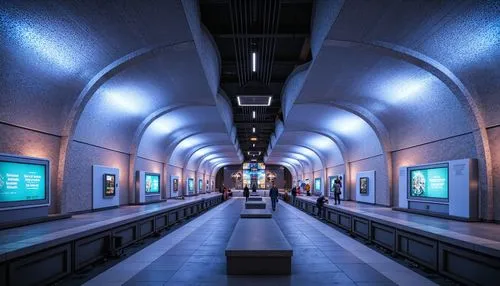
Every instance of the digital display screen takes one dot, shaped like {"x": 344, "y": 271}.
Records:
{"x": 430, "y": 182}
{"x": 190, "y": 185}
{"x": 317, "y": 184}
{"x": 22, "y": 182}
{"x": 109, "y": 185}
{"x": 152, "y": 183}
{"x": 175, "y": 185}
{"x": 363, "y": 185}
{"x": 332, "y": 183}
{"x": 200, "y": 185}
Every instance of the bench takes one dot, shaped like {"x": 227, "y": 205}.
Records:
{"x": 255, "y": 205}
{"x": 252, "y": 194}
{"x": 255, "y": 199}
{"x": 257, "y": 246}
{"x": 256, "y": 213}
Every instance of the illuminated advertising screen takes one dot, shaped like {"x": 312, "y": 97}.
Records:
{"x": 109, "y": 185}
{"x": 190, "y": 185}
{"x": 152, "y": 184}
{"x": 364, "y": 185}
{"x": 254, "y": 173}
{"x": 429, "y": 182}
{"x": 317, "y": 184}
{"x": 23, "y": 181}
{"x": 175, "y": 185}
{"x": 332, "y": 183}
{"x": 200, "y": 184}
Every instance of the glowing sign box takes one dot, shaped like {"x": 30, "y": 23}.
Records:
{"x": 152, "y": 184}
{"x": 428, "y": 182}
{"x": 23, "y": 181}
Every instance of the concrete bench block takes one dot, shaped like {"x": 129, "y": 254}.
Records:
{"x": 255, "y": 199}
{"x": 255, "y": 205}
{"x": 257, "y": 246}
{"x": 256, "y": 213}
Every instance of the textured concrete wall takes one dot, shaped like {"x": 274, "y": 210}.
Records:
{"x": 494, "y": 138}
{"x": 377, "y": 163}
{"x": 448, "y": 149}
{"x": 19, "y": 141}
{"x": 78, "y": 176}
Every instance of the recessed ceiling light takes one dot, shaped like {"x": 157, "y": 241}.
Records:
{"x": 253, "y": 114}
{"x": 254, "y": 62}
{"x": 253, "y": 139}
{"x": 253, "y": 144}
{"x": 253, "y": 129}
{"x": 254, "y": 100}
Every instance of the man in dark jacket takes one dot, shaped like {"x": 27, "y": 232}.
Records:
{"x": 294, "y": 194}
{"x": 273, "y": 193}
{"x": 319, "y": 204}
{"x": 246, "y": 192}
{"x": 254, "y": 188}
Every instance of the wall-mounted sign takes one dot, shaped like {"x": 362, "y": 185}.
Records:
{"x": 23, "y": 181}
{"x": 363, "y": 185}
{"x": 152, "y": 182}
{"x": 109, "y": 185}
{"x": 190, "y": 185}
{"x": 429, "y": 182}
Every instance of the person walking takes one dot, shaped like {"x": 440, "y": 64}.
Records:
{"x": 254, "y": 188}
{"x": 337, "y": 187}
{"x": 294, "y": 194}
{"x": 246, "y": 192}
{"x": 320, "y": 203}
{"x": 273, "y": 193}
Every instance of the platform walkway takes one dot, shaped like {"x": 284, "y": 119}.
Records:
{"x": 194, "y": 255}
{"x": 446, "y": 246}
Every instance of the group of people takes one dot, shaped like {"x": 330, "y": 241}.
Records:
{"x": 273, "y": 193}
{"x": 246, "y": 191}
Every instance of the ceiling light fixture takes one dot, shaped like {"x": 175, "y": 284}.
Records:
{"x": 253, "y": 139}
{"x": 253, "y": 145}
{"x": 254, "y": 100}
{"x": 253, "y": 114}
{"x": 253, "y": 129}
{"x": 254, "y": 64}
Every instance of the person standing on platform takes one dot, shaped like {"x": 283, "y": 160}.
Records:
{"x": 337, "y": 186}
{"x": 254, "y": 188}
{"x": 320, "y": 202}
{"x": 294, "y": 194}
{"x": 308, "y": 190}
{"x": 246, "y": 192}
{"x": 273, "y": 193}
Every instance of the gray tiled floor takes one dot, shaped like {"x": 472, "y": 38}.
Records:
{"x": 199, "y": 258}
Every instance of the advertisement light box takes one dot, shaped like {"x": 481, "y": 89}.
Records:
{"x": 317, "y": 184}
{"x": 429, "y": 182}
{"x": 23, "y": 181}
{"x": 152, "y": 184}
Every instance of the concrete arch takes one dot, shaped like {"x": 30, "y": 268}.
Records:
{"x": 86, "y": 94}
{"x": 330, "y": 138}
{"x": 198, "y": 148}
{"x": 212, "y": 154}
{"x": 190, "y": 156}
{"x": 310, "y": 149}
{"x": 292, "y": 161}
{"x": 456, "y": 86}
{"x": 286, "y": 155}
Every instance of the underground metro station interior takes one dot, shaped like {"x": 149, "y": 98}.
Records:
{"x": 129, "y": 130}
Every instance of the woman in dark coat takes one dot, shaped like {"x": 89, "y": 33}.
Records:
{"x": 246, "y": 192}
